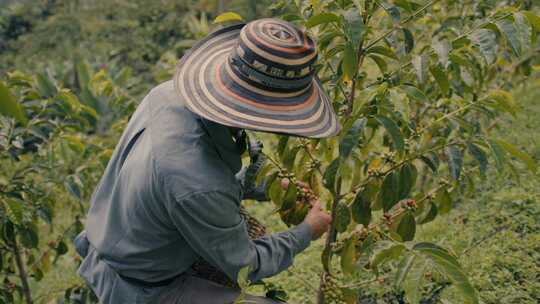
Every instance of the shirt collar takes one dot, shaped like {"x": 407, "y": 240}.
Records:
{"x": 227, "y": 149}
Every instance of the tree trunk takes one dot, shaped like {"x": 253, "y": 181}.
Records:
{"x": 22, "y": 274}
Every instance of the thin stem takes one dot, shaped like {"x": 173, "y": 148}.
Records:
{"x": 405, "y": 21}
{"x": 274, "y": 162}
{"x": 431, "y": 52}
{"x": 23, "y": 276}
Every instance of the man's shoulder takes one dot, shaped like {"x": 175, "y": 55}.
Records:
{"x": 184, "y": 155}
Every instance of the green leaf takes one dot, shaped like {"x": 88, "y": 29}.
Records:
{"x": 455, "y": 161}
{"x": 329, "y": 177}
{"x": 407, "y": 227}
{"x": 485, "y": 40}
{"x": 479, "y": 155}
{"x": 498, "y": 154}
{"x": 228, "y": 17}
{"x": 45, "y": 85}
{"x": 29, "y": 237}
{"x": 354, "y": 27}
{"x": 509, "y": 31}
{"x": 387, "y": 252}
{"x": 403, "y": 269}
{"x": 414, "y": 93}
{"x": 73, "y": 185}
{"x": 409, "y": 40}
{"x": 451, "y": 268}
{"x": 524, "y": 31}
{"x": 384, "y": 51}
{"x": 14, "y": 210}
{"x": 442, "y": 48}
{"x": 444, "y": 201}
{"x": 441, "y": 77}
{"x": 9, "y": 105}
{"x": 282, "y": 145}
{"x": 392, "y": 129}
{"x": 407, "y": 179}
{"x": 348, "y": 256}
{"x": 290, "y": 156}
{"x": 380, "y": 62}
{"x": 533, "y": 18}
{"x": 361, "y": 209}
{"x": 420, "y": 64}
{"x": 388, "y": 196}
{"x": 61, "y": 248}
{"x": 289, "y": 199}
{"x": 351, "y": 138}
{"x": 343, "y": 217}
{"x": 431, "y": 162}
{"x": 322, "y": 18}
{"x": 274, "y": 190}
{"x": 524, "y": 157}
{"x": 429, "y": 214}
{"x": 503, "y": 101}
{"x": 414, "y": 283}
{"x": 349, "y": 62}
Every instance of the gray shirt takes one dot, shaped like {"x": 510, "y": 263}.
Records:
{"x": 169, "y": 195}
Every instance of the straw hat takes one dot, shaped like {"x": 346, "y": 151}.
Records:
{"x": 257, "y": 76}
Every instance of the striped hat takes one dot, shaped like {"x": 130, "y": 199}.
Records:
{"x": 257, "y": 76}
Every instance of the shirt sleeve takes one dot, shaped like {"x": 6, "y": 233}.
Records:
{"x": 211, "y": 224}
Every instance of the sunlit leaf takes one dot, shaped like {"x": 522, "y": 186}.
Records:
{"x": 9, "y": 105}
{"x": 348, "y": 256}
{"x": 349, "y": 63}
{"x": 442, "y": 48}
{"x": 321, "y": 18}
{"x": 420, "y": 64}
{"x": 485, "y": 40}
{"x": 509, "y": 31}
{"x": 514, "y": 151}
{"x": 228, "y": 17}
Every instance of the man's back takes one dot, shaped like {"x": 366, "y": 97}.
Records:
{"x": 164, "y": 153}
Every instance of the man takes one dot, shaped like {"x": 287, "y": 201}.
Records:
{"x": 169, "y": 195}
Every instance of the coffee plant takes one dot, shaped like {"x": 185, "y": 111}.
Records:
{"x": 418, "y": 87}
{"x": 48, "y": 162}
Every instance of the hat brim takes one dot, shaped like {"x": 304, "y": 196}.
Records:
{"x": 210, "y": 88}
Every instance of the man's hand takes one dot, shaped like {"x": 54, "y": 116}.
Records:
{"x": 318, "y": 219}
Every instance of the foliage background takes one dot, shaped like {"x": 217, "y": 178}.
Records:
{"x": 110, "y": 60}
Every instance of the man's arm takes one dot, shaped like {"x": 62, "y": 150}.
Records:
{"x": 211, "y": 224}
